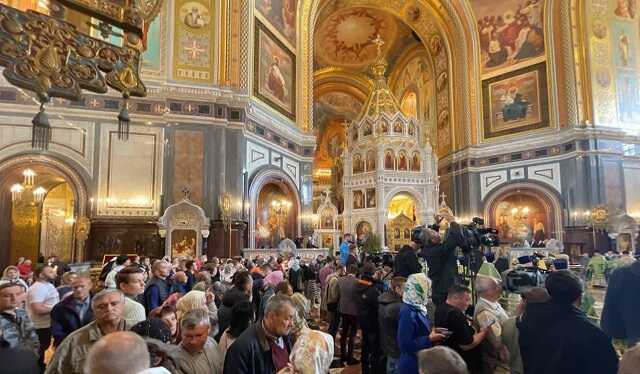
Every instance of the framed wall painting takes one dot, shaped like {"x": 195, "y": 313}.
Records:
{"x": 279, "y": 15}
{"x": 511, "y": 34}
{"x": 515, "y": 102}
{"x": 274, "y": 72}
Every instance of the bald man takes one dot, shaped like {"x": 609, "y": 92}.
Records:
{"x": 121, "y": 352}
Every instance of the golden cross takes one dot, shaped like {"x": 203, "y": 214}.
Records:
{"x": 379, "y": 43}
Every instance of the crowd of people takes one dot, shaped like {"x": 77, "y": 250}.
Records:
{"x": 282, "y": 314}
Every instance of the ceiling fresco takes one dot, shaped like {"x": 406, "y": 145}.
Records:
{"x": 344, "y": 37}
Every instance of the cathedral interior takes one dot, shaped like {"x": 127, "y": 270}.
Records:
{"x": 189, "y": 127}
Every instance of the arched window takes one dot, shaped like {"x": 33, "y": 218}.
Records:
{"x": 358, "y": 164}
{"x": 367, "y": 129}
{"x": 397, "y": 127}
{"x": 409, "y": 104}
{"x": 384, "y": 127}
{"x": 415, "y": 162}
{"x": 389, "y": 160}
{"x": 402, "y": 161}
{"x": 371, "y": 160}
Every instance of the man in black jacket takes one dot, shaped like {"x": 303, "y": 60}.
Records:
{"x": 622, "y": 304}
{"x": 264, "y": 347}
{"x": 406, "y": 261}
{"x": 557, "y": 337}
{"x": 390, "y": 303}
{"x": 441, "y": 259}
{"x": 368, "y": 320}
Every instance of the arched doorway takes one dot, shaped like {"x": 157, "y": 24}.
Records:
{"x": 275, "y": 209}
{"x": 402, "y": 216}
{"x": 524, "y": 211}
{"x": 41, "y": 200}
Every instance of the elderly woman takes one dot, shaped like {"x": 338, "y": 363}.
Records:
{"x": 12, "y": 273}
{"x": 414, "y": 327}
{"x": 312, "y": 351}
{"x": 199, "y": 300}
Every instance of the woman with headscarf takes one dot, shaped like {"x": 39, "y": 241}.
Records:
{"x": 312, "y": 351}
{"x": 414, "y": 327}
{"x": 296, "y": 275}
{"x": 199, "y": 300}
{"x": 12, "y": 273}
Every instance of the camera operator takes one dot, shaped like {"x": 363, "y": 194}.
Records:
{"x": 441, "y": 256}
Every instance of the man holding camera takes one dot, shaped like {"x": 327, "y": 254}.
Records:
{"x": 441, "y": 256}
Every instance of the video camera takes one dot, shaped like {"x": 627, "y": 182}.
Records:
{"x": 524, "y": 277}
{"x": 475, "y": 235}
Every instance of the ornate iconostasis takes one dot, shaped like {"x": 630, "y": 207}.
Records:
{"x": 521, "y": 216}
{"x": 276, "y": 215}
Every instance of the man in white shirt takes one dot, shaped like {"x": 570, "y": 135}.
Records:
{"x": 42, "y": 296}
{"x": 122, "y": 262}
{"x": 130, "y": 281}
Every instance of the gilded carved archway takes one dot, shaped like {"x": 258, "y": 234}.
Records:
{"x": 445, "y": 28}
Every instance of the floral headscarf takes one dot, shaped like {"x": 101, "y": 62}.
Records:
{"x": 312, "y": 354}
{"x": 417, "y": 291}
{"x": 303, "y": 308}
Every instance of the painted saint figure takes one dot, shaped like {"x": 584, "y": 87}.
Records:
{"x": 194, "y": 19}
{"x": 275, "y": 81}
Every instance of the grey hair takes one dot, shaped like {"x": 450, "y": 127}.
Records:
{"x": 441, "y": 360}
{"x": 194, "y": 318}
{"x": 277, "y": 303}
{"x": 105, "y": 292}
{"x": 121, "y": 352}
{"x": 484, "y": 284}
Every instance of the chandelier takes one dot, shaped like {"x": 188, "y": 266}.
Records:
{"x": 51, "y": 58}
{"x": 38, "y": 193}
{"x": 520, "y": 213}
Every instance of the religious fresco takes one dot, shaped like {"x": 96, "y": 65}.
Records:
{"x": 358, "y": 200}
{"x": 330, "y": 111}
{"x": 521, "y": 217}
{"x": 345, "y": 37}
{"x": 511, "y": 33}
{"x": 183, "y": 243}
{"x": 363, "y": 230}
{"x": 274, "y": 72}
{"x": 279, "y": 15}
{"x": 628, "y": 93}
{"x": 626, "y": 8}
{"x": 515, "y": 102}
{"x": 414, "y": 85}
{"x": 613, "y": 55}
{"x": 624, "y": 44}
{"x": 274, "y": 225}
{"x": 371, "y": 197}
{"x": 193, "y": 42}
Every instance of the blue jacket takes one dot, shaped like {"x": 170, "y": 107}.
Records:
{"x": 413, "y": 336}
{"x": 65, "y": 319}
{"x": 344, "y": 253}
